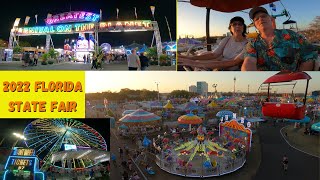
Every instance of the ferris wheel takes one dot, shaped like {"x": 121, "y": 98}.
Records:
{"x": 47, "y": 137}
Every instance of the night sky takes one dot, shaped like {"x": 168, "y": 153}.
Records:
{"x": 21, "y": 9}
{"x": 9, "y": 126}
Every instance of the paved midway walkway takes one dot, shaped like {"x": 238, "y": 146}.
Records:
{"x": 301, "y": 166}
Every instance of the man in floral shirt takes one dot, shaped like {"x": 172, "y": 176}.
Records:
{"x": 276, "y": 50}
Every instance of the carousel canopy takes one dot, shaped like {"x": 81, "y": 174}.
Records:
{"x": 139, "y": 116}
{"x": 168, "y": 105}
{"x": 189, "y": 119}
{"x": 156, "y": 104}
{"x": 127, "y": 112}
{"x": 223, "y": 113}
{"x": 189, "y": 106}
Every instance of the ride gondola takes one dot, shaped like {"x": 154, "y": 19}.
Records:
{"x": 294, "y": 110}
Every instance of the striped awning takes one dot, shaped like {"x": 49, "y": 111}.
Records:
{"x": 189, "y": 119}
{"x": 139, "y": 116}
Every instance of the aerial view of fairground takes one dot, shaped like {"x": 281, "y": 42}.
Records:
{"x": 87, "y": 35}
{"x": 222, "y": 125}
{"x": 264, "y": 35}
{"x": 61, "y": 149}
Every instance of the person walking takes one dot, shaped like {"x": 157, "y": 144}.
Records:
{"x": 285, "y": 163}
{"x": 84, "y": 58}
{"x": 114, "y": 159}
{"x": 91, "y": 174}
{"x": 121, "y": 152}
{"x": 88, "y": 59}
{"x": 133, "y": 61}
{"x": 94, "y": 62}
{"x": 144, "y": 61}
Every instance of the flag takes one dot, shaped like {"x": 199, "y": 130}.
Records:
{"x": 27, "y": 20}
{"x": 36, "y": 16}
{"x": 16, "y": 22}
{"x": 117, "y": 13}
{"x": 100, "y": 14}
{"x": 135, "y": 12}
{"x": 152, "y": 8}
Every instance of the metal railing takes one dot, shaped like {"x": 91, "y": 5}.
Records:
{"x": 224, "y": 166}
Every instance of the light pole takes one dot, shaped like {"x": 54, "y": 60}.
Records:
{"x": 157, "y": 83}
{"x": 19, "y": 137}
{"x": 234, "y": 86}
{"x": 215, "y": 89}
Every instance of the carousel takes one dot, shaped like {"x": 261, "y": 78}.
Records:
{"x": 139, "y": 122}
{"x": 202, "y": 154}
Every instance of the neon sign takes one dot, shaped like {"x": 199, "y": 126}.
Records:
{"x": 24, "y": 152}
{"x": 112, "y": 26}
{"x": 125, "y": 25}
{"x": 22, "y": 163}
{"x": 74, "y": 16}
{"x": 56, "y": 29}
{"x": 23, "y": 159}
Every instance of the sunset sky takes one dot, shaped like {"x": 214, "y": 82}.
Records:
{"x": 191, "y": 19}
{"x": 169, "y": 81}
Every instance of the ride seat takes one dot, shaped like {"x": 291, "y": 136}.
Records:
{"x": 283, "y": 110}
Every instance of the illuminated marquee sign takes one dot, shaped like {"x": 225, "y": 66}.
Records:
{"x": 74, "y": 16}
{"x": 56, "y": 29}
{"x": 126, "y": 25}
{"x": 24, "y": 152}
{"x": 22, "y": 163}
{"x": 112, "y": 26}
{"x": 23, "y": 159}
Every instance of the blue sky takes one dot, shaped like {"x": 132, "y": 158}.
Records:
{"x": 191, "y": 19}
{"x": 168, "y": 81}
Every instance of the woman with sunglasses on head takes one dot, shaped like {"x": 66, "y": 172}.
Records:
{"x": 229, "y": 53}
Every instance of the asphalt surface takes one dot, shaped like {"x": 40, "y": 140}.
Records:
{"x": 300, "y": 167}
